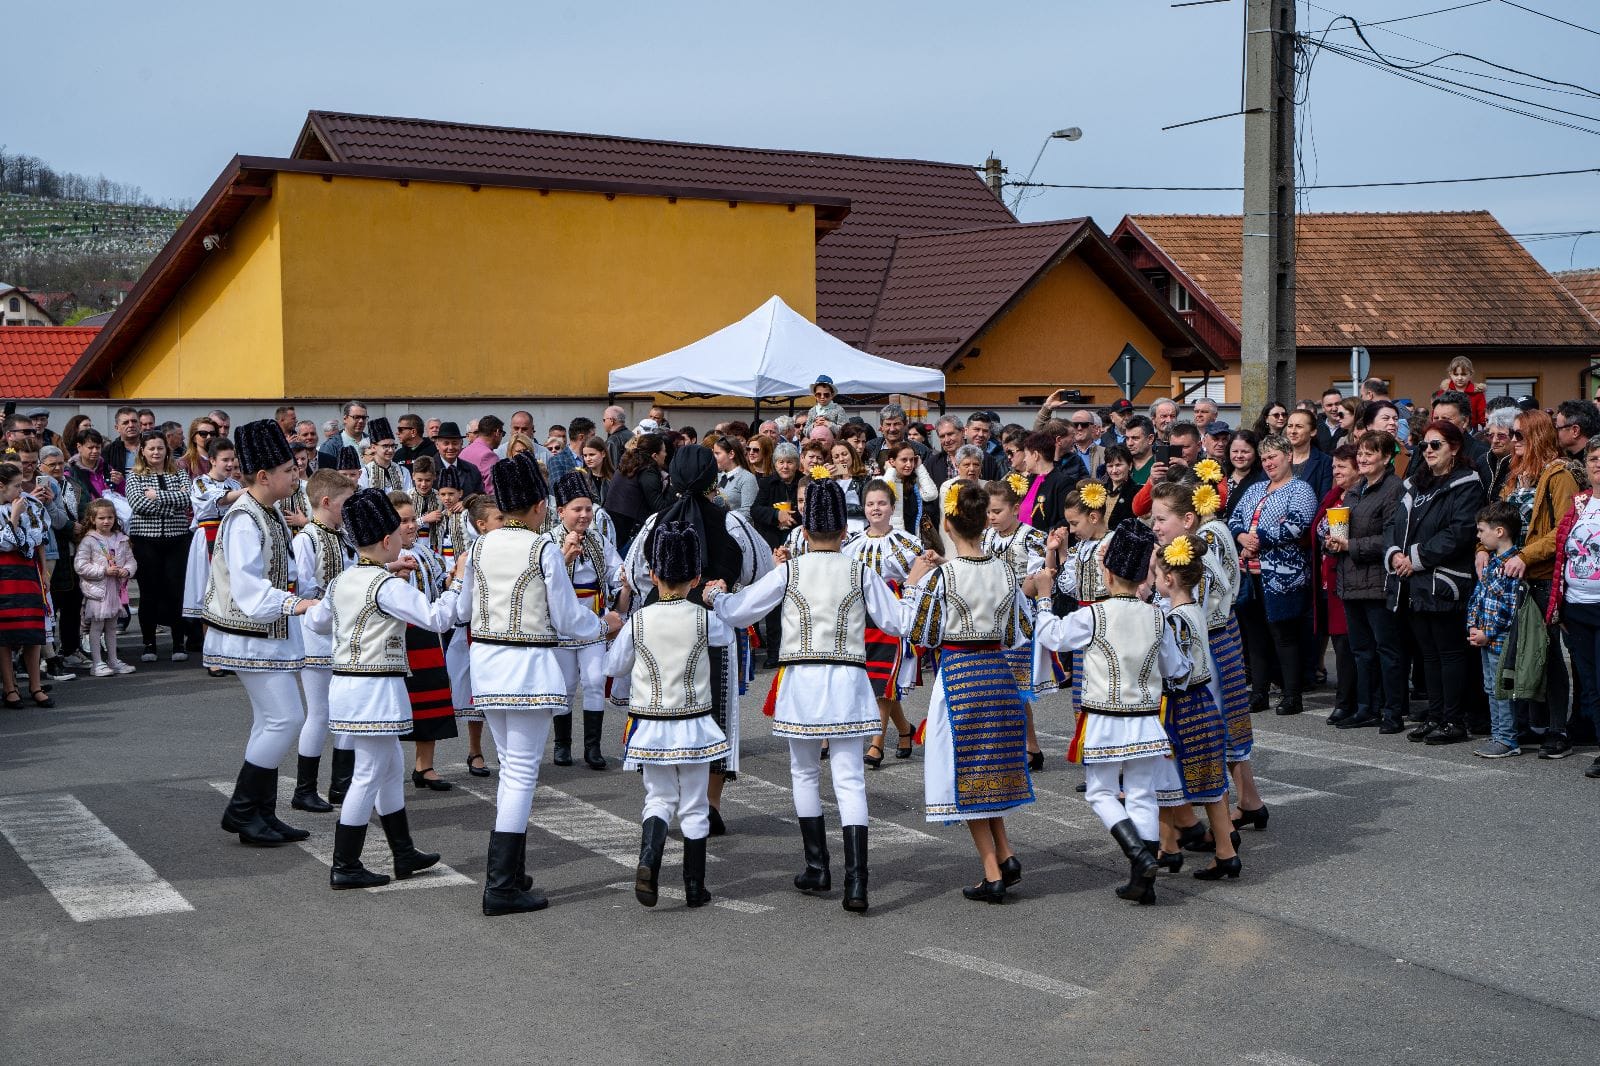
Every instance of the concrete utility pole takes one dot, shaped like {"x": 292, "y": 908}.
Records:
{"x": 1268, "y": 342}
{"x": 994, "y": 174}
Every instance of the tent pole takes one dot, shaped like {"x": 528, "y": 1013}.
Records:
{"x": 757, "y": 423}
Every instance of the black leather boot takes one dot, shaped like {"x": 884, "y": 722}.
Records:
{"x": 594, "y": 724}
{"x": 407, "y": 859}
{"x": 502, "y": 886}
{"x": 694, "y": 873}
{"x": 561, "y": 727}
{"x": 855, "y": 868}
{"x": 305, "y": 786}
{"x": 1141, "y": 864}
{"x": 652, "y": 842}
{"x": 347, "y": 871}
{"x": 242, "y": 816}
{"x": 267, "y": 797}
{"x": 816, "y": 876}
{"x": 344, "y": 769}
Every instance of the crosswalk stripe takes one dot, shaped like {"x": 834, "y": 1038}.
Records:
{"x": 83, "y": 864}
{"x": 1277, "y": 1058}
{"x": 1025, "y": 978}
{"x": 375, "y": 857}
{"x": 667, "y": 892}
{"x": 776, "y": 801}
{"x": 1278, "y": 792}
{"x": 1388, "y": 761}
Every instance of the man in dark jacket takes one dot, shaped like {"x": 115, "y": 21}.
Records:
{"x": 1452, "y": 406}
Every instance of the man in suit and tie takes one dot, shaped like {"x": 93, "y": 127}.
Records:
{"x": 448, "y": 441}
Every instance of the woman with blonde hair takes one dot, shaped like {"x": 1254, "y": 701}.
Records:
{"x": 518, "y": 443}
{"x": 194, "y": 461}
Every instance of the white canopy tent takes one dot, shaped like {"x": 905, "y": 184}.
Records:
{"x": 772, "y": 352}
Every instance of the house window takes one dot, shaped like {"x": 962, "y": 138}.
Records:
{"x": 1181, "y": 300}
{"x": 1213, "y": 389}
{"x": 16, "y": 304}
{"x": 1512, "y": 387}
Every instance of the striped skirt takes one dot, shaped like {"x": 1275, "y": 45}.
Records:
{"x": 21, "y": 600}
{"x": 1197, "y": 771}
{"x": 433, "y": 712}
{"x": 1232, "y": 688}
{"x": 884, "y": 655}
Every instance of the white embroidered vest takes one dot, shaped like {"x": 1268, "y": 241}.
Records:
{"x": 1121, "y": 667}
{"x": 218, "y": 607}
{"x": 979, "y": 601}
{"x": 824, "y": 611}
{"x": 1189, "y": 627}
{"x": 365, "y": 639}
{"x": 508, "y": 602}
{"x": 1221, "y": 583}
{"x": 672, "y": 666}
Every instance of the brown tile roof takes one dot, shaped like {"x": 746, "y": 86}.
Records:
{"x": 33, "y": 359}
{"x": 1431, "y": 279}
{"x": 887, "y": 197}
{"x": 1583, "y": 284}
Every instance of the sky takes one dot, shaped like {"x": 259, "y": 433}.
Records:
{"x": 162, "y": 95}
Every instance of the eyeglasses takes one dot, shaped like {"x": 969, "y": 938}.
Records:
{"x": 207, "y": 433}
{"x": 1435, "y": 445}
{"x": 1083, "y": 425}
{"x": 1516, "y": 434}
{"x": 752, "y": 451}
{"x": 1565, "y": 425}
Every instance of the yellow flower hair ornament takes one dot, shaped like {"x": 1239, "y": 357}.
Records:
{"x": 1206, "y": 501}
{"x": 952, "y": 496}
{"x": 1209, "y": 471}
{"x": 1093, "y": 495}
{"x": 1179, "y": 553}
{"x": 1018, "y": 483}
{"x": 819, "y": 473}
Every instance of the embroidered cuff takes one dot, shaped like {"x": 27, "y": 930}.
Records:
{"x": 290, "y": 602}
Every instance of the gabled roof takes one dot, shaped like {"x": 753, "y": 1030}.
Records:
{"x": 1584, "y": 285}
{"x": 888, "y": 197}
{"x": 1415, "y": 279}
{"x": 33, "y": 359}
{"x": 944, "y": 289}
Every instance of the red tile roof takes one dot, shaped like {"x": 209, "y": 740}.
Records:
{"x": 34, "y": 359}
{"x": 1428, "y": 279}
{"x": 1585, "y": 285}
{"x": 888, "y": 197}
{"x": 943, "y": 289}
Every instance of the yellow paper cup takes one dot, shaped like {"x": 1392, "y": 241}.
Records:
{"x": 1339, "y": 521}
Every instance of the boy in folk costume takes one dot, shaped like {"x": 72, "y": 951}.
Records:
{"x": 382, "y": 472}
{"x": 248, "y": 611}
{"x": 425, "y": 499}
{"x": 823, "y": 691}
{"x": 1127, "y": 652}
{"x": 520, "y": 601}
{"x": 349, "y": 463}
{"x": 433, "y": 715}
{"x": 210, "y": 496}
{"x": 366, "y": 610}
{"x": 672, "y": 736}
{"x": 596, "y": 572}
{"x": 321, "y": 553}
{"x": 451, "y": 533}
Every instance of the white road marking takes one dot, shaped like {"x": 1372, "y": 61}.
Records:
{"x": 375, "y": 856}
{"x": 1277, "y": 1058}
{"x": 1026, "y": 979}
{"x": 776, "y": 801}
{"x": 742, "y": 906}
{"x": 1278, "y": 792}
{"x": 83, "y": 864}
{"x": 1390, "y": 762}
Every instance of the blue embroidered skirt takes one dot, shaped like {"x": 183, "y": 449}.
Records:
{"x": 976, "y": 740}
{"x": 1233, "y": 688}
{"x": 1197, "y": 771}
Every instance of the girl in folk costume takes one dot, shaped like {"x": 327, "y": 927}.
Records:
{"x": 1080, "y": 579}
{"x": 1038, "y": 672}
{"x": 520, "y": 603}
{"x": 1197, "y": 772}
{"x": 104, "y": 564}
{"x": 1127, "y": 652}
{"x": 210, "y": 496}
{"x": 671, "y": 735}
{"x": 249, "y": 611}
{"x": 823, "y": 687}
{"x": 596, "y": 573}
{"x": 731, "y": 550}
{"x": 24, "y": 614}
{"x": 366, "y": 610}
{"x": 433, "y": 714}
{"x": 451, "y": 533}
{"x": 976, "y": 761}
{"x": 483, "y": 515}
{"x": 889, "y": 553}
{"x": 321, "y": 553}
{"x": 383, "y": 472}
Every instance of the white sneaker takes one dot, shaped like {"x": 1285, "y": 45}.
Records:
{"x": 104, "y": 671}
{"x": 125, "y": 668}
{"x": 148, "y": 657}
{"x": 77, "y": 661}
{"x": 180, "y": 656}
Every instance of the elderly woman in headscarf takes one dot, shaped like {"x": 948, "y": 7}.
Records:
{"x": 731, "y": 549}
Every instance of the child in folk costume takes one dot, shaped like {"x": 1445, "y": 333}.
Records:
{"x": 482, "y": 516}
{"x": 1038, "y": 672}
{"x": 823, "y": 688}
{"x": 1080, "y": 579}
{"x": 105, "y": 564}
{"x": 249, "y": 611}
{"x": 425, "y": 499}
{"x": 321, "y": 553}
{"x": 296, "y": 508}
{"x": 348, "y": 462}
{"x": 366, "y": 610}
{"x": 672, "y": 737}
{"x": 382, "y": 472}
{"x": 210, "y": 496}
{"x": 976, "y": 761}
{"x": 451, "y": 533}
{"x": 1127, "y": 652}
{"x": 1197, "y": 772}
{"x": 519, "y": 599}
{"x": 24, "y": 608}
{"x": 889, "y": 553}
{"x": 595, "y": 569}
{"x": 433, "y": 714}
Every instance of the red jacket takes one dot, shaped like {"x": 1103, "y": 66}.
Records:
{"x": 1480, "y": 403}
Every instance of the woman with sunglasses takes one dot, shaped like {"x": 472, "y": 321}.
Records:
{"x": 194, "y": 462}
{"x": 1429, "y": 556}
{"x": 758, "y": 453}
{"x": 1271, "y": 420}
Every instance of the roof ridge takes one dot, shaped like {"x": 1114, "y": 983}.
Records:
{"x": 1001, "y": 227}
{"x": 1330, "y": 214}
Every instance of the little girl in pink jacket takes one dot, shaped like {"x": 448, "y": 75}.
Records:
{"x": 104, "y": 563}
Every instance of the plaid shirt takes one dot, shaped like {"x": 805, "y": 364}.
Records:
{"x": 1493, "y": 606}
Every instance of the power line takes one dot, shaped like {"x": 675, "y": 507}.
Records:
{"x": 1435, "y": 11}
{"x": 1552, "y": 18}
{"x": 1340, "y": 185}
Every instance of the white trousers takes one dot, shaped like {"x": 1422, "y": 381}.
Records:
{"x": 378, "y": 782}
{"x": 679, "y": 790}
{"x": 519, "y": 739}
{"x": 315, "y": 681}
{"x": 1138, "y": 788}
{"x": 849, "y": 777}
{"x": 586, "y": 676}
{"x": 276, "y": 714}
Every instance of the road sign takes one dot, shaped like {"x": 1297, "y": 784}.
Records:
{"x": 1360, "y": 367}
{"x": 1132, "y": 371}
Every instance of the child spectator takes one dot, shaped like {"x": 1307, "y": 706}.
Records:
{"x": 1458, "y": 378}
{"x": 104, "y": 563}
{"x": 1490, "y": 614}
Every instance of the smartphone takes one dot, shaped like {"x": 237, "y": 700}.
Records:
{"x": 41, "y": 481}
{"x": 1163, "y": 451}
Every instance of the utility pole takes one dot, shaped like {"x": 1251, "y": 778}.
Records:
{"x": 1267, "y": 326}
{"x": 994, "y": 174}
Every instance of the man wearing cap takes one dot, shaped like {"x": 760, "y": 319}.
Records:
{"x": 1117, "y": 414}
{"x": 448, "y": 441}
{"x": 353, "y": 435}
{"x": 40, "y": 417}
{"x": 1216, "y": 442}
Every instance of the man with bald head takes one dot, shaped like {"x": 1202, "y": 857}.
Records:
{"x": 614, "y": 421}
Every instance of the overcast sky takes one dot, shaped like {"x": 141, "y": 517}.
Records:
{"x": 161, "y": 95}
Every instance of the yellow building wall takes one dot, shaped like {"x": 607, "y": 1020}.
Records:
{"x": 434, "y": 290}
{"x": 1064, "y": 333}
{"x": 222, "y": 336}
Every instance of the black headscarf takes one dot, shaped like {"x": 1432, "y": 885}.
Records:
{"x": 693, "y": 474}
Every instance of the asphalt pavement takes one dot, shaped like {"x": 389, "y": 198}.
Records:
{"x": 1405, "y": 904}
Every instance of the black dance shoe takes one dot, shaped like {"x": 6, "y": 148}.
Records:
{"x": 986, "y": 892}
{"x": 1219, "y": 869}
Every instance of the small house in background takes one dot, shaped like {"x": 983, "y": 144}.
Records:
{"x": 19, "y": 307}
{"x": 1416, "y": 289}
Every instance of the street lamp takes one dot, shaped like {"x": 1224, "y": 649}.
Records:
{"x": 1071, "y": 133}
